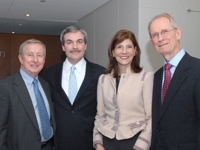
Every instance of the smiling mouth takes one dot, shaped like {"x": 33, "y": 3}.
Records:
{"x": 163, "y": 45}
{"x": 34, "y": 65}
{"x": 124, "y": 57}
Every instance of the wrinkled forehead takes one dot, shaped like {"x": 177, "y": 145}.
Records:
{"x": 160, "y": 24}
{"x": 74, "y": 36}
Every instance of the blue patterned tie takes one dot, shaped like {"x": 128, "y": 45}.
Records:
{"x": 44, "y": 118}
{"x": 72, "y": 85}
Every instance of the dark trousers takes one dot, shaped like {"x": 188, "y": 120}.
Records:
{"x": 114, "y": 144}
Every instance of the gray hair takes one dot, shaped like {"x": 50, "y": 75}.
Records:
{"x": 30, "y": 41}
{"x": 171, "y": 19}
{"x": 73, "y": 28}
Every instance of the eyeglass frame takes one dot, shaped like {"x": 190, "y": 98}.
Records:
{"x": 163, "y": 33}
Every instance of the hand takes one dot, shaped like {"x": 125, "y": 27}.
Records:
{"x": 99, "y": 147}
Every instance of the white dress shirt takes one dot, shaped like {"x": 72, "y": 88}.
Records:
{"x": 79, "y": 72}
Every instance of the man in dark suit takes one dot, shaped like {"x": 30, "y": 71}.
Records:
{"x": 21, "y": 125}
{"x": 175, "y": 113}
{"x": 74, "y": 114}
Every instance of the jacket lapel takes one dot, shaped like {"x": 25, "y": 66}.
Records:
{"x": 89, "y": 76}
{"x": 178, "y": 78}
{"x": 48, "y": 95}
{"x": 24, "y": 97}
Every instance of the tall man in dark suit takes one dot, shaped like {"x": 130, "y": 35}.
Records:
{"x": 176, "y": 114}
{"x": 74, "y": 116}
{"x": 21, "y": 122}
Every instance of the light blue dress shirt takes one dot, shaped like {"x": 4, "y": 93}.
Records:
{"x": 174, "y": 62}
{"x": 28, "y": 82}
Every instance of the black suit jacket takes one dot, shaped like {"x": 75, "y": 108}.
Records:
{"x": 74, "y": 123}
{"x": 176, "y": 124}
{"x": 18, "y": 124}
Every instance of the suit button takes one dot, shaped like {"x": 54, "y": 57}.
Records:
{"x": 72, "y": 112}
{"x": 158, "y": 130}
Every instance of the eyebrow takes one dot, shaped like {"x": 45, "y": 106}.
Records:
{"x": 69, "y": 40}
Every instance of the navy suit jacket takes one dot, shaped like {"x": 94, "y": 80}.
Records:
{"x": 19, "y": 129}
{"x": 176, "y": 124}
{"x": 75, "y": 122}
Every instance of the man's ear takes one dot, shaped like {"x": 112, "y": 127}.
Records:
{"x": 178, "y": 33}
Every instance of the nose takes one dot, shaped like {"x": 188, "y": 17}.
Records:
{"x": 124, "y": 49}
{"x": 35, "y": 58}
{"x": 74, "y": 45}
{"x": 160, "y": 37}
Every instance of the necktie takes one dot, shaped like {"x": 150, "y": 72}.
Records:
{"x": 46, "y": 129}
{"x": 72, "y": 85}
{"x": 167, "y": 79}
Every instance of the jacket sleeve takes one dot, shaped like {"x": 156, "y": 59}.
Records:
{"x": 4, "y": 114}
{"x": 197, "y": 97}
{"x": 144, "y": 139}
{"x": 97, "y": 137}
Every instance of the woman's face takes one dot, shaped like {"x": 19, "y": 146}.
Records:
{"x": 124, "y": 53}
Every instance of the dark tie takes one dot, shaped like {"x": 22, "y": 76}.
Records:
{"x": 72, "y": 85}
{"x": 167, "y": 79}
{"x": 44, "y": 118}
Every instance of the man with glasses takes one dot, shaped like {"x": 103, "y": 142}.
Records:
{"x": 176, "y": 91}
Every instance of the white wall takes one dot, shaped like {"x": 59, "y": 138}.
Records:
{"x": 135, "y": 15}
{"x": 103, "y": 23}
{"x": 189, "y": 23}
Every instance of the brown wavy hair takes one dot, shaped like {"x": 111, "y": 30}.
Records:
{"x": 119, "y": 37}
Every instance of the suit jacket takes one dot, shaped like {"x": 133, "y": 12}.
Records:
{"x": 74, "y": 123}
{"x": 18, "y": 124}
{"x": 125, "y": 113}
{"x": 176, "y": 124}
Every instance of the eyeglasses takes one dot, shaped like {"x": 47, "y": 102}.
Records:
{"x": 164, "y": 33}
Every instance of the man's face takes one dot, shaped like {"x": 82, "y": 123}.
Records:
{"x": 33, "y": 58}
{"x": 74, "y": 46}
{"x": 165, "y": 38}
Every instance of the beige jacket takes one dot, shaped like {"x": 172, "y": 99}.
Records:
{"x": 126, "y": 113}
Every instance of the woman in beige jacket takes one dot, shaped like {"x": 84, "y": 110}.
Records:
{"x": 123, "y": 120}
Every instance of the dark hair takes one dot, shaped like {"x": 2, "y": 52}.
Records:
{"x": 119, "y": 37}
{"x": 73, "y": 28}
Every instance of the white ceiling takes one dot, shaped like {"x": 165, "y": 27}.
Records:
{"x": 46, "y": 18}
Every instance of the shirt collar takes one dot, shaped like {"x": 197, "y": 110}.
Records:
{"x": 79, "y": 66}
{"x": 26, "y": 77}
{"x": 177, "y": 58}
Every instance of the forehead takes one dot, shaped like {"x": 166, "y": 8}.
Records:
{"x": 34, "y": 47}
{"x": 74, "y": 36}
{"x": 126, "y": 41}
{"x": 160, "y": 24}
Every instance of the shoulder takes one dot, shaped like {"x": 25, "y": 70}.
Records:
{"x": 146, "y": 75}
{"x": 102, "y": 78}
{"x": 94, "y": 64}
{"x": 9, "y": 82}
{"x": 10, "y": 79}
{"x": 42, "y": 81}
{"x": 52, "y": 71}
{"x": 195, "y": 61}
{"x": 95, "y": 67}
{"x": 54, "y": 67}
